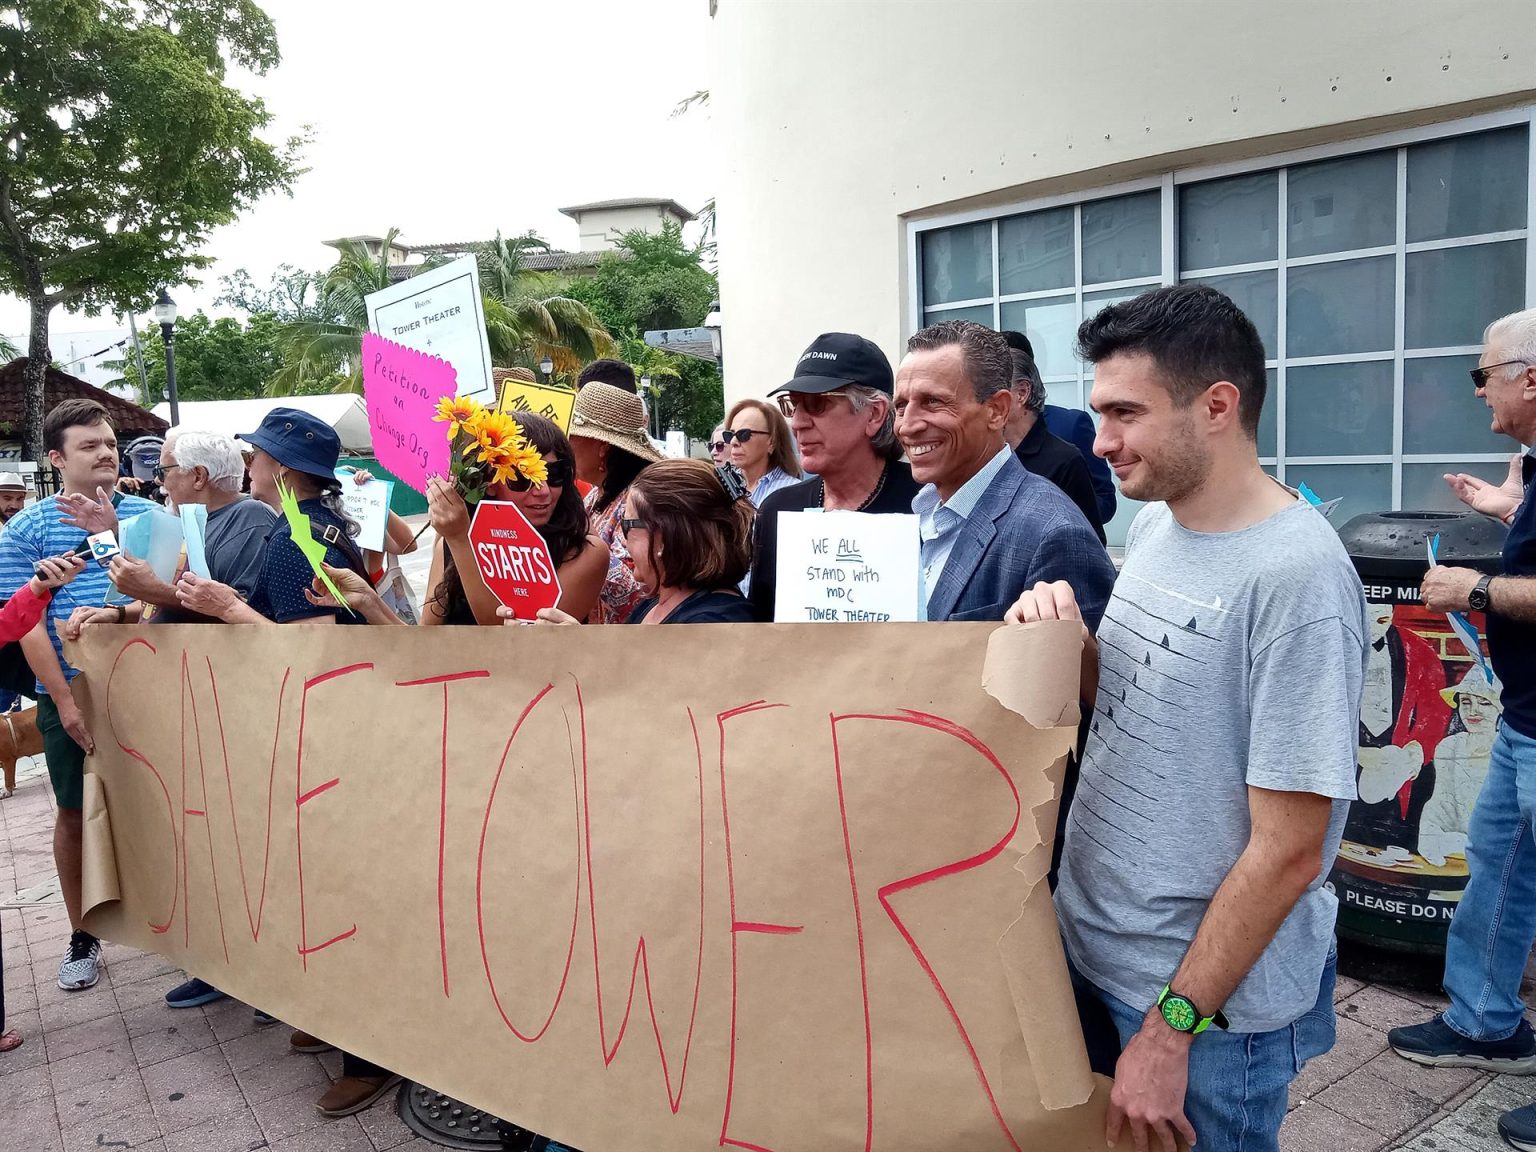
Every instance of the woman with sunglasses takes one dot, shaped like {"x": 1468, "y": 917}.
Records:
{"x": 761, "y": 446}
{"x": 459, "y": 594}
{"x": 688, "y": 526}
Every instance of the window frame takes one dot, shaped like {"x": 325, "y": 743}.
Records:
{"x": 1169, "y": 183}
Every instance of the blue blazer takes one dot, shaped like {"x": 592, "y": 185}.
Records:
{"x": 1023, "y": 530}
{"x": 1076, "y": 427}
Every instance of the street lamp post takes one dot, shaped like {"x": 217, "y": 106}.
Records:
{"x": 165, "y": 316}
{"x": 547, "y": 366}
{"x": 712, "y": 323}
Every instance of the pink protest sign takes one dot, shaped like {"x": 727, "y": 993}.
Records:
{"x": 402, "y": 387}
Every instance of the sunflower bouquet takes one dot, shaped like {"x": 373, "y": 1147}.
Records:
{"x": 488, "y": 448}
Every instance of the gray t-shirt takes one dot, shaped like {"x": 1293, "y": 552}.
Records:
{"x": 1229, "y": 660}
{"x": 236, "y": 539}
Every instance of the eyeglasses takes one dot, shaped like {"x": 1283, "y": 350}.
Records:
{"x": 745, "y": 434}
{"x": 717, "y": 445}
{"x": 159, "y": 471}
{"x": 559, "y": 474}
{"x": 1480, "y": 375}
{"x": 813, "y": 404}
{"x": 627, "y": 526}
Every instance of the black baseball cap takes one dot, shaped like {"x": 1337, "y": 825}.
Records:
{"x": 837, "y": 359}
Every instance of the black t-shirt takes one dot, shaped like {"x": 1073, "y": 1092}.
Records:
{"x": 706, "y": 606}
{"x": 1512, "y": 643}
{"x": 1052, "y": 458}
{"x": 895, "y": 496}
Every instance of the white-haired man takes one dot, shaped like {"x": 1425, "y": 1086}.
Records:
{"x": 195, "y": 468}
{"x": 1495, "y": 923}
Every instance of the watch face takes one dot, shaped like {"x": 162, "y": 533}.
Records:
{"x": 1180, "y": 1014}
{"x": 1477, "y": 599}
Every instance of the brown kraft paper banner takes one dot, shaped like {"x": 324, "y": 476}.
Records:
{"x": 769, "y": 887}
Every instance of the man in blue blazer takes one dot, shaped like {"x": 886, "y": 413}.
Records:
{"x": 1076, "y": 427}
{"x": 989, "y": 528}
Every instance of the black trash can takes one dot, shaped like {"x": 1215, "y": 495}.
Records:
{"x": 1427, "y": 724}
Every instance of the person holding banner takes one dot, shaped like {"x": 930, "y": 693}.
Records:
{"x": 82, "y": 445}
{"x": 459, "y": 594}
{"x": 1221, "y": 761}
{"x": 294, "y": 452}
{"x": 688, "y": 526}
{"x": 611, "y": 446}
{"x": 989, "y": 528}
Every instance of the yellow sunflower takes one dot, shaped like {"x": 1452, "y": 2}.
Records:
{"x": 491, "y": 432}
{"x": 455, "y": 411}
{"x": 528, "y": 462}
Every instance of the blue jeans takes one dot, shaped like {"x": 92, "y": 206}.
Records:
{"x": 1495, "y": 923}
{"x": 1239, "y": 1082}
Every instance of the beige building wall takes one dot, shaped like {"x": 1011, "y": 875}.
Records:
{"x": 839, "y": 121}
{"x": 601, "y": 228}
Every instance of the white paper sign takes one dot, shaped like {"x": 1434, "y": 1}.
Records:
{"x": 368, "y": 504}
{"x": 846, "y": 567}
{"x": 439, "y": 312}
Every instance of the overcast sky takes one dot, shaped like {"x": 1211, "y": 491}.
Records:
{"x": 455, "y": 118}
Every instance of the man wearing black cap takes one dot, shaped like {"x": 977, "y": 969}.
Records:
{"x": 839, "y": 408}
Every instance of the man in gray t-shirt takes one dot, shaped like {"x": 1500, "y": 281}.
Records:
{"x": 1220, "y": 759}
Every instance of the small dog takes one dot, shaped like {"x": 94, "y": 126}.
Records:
{"x": 18, "y": 737}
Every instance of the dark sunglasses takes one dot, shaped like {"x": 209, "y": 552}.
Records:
{"x": 627, "y": 526}
{"x": 560, "y": 473}
{"x": 717, "y": 445}
{"x": 744, "y": 434}
{"x": 1480, "y": 375}
{"x": 813, "y": 404}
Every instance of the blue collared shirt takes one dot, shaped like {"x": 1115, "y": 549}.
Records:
{"x": 770, "y": 481}
{"x": 939, "y": 521}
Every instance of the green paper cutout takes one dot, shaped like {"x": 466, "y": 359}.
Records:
{"x": 314, "y": 551}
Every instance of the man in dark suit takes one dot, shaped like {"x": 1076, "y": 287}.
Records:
{"x": 1075, "y": 427}
{"x": 989, "y": 528}
{"x": 1044, "y": 454}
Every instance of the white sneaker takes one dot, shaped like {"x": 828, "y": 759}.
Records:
{"x": 81, "y": 966}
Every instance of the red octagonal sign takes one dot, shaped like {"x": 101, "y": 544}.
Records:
{"x": 513, "y": 559}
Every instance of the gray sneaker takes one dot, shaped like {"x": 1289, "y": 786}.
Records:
{"x": 81, "y": 967}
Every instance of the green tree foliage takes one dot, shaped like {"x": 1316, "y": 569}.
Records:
{"x": 524, "y": 319}
{"x": 121, "y": 148}
{"x": 656, "y": 280}
{"x": 219, "y": 359}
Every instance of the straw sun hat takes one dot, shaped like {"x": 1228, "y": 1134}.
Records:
{"x": 613, "y": 416}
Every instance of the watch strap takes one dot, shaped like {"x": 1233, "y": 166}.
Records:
{"x": 1202, "y": 1022}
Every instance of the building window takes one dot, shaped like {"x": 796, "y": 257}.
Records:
{"x": 1370, "y": 277}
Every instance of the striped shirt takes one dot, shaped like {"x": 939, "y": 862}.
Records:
{"x": 38, "y": 531}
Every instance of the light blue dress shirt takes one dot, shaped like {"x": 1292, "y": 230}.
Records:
{"x": 770, "y": 481}
{"x": 939, "y": 521}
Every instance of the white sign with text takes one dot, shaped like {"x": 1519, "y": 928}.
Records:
{"x": 439, "y": 312}
{"x": 846, "y": 567}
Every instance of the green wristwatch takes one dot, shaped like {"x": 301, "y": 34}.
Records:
{"x": 1180, "y": 1013}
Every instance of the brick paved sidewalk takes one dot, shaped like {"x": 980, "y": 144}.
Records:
{"x": 112, "y": 1067}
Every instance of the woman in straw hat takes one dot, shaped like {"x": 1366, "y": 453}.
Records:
{"x": 608, "y": 437}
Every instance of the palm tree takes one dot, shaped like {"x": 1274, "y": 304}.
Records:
{"x": 526, "y": 321}
{"x": 8, "y": 351}
{"x": 332, "y": 347}
{"x": 523, "y": 321}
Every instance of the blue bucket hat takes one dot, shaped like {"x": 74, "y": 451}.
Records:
{"x": 299, "y": 441}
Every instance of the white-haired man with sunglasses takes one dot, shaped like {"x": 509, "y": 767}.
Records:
{"x": 839, "y": 407}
